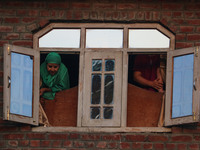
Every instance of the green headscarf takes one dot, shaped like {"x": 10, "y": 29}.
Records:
{"x": 57, "y": 82}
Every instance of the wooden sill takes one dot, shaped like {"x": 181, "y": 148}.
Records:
{"x": 101, "y": 129}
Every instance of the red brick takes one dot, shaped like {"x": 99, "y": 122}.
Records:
{"x": 197, "y": 138}
{"x": 125, "y": 145}
{"x": 193, "y": 37}
{"x": 13, "y": 143}
{"x": 20, "y": 29}
{"x": 79, "y": 144}
{"x": 113, "y": 137}
{"x": 191, "y": 131}
{"x": 11, "y": 36}
{"x": 189, "y": 14}
{"x": 22, "y": 12}
{"x": 156, "y": 15}
{"x": 172, "y": 6}
{"x": 56, "y": 143}
{"x": 193, "y": 22}
{"x": 178, "y": 21}
{"x": 148, "y": 146}
{"x": 23, "y": 43}
{"x": 104, "y": 6}
{"x": 157, "y": 138}
{"x": 24, "y": 143}
{"x": 186, "y": 29}
{"x": 197, "y": 14}
{"x": 27, "y": 36}
{"x": 183, "y": 45}
{"x": 158, "y": 146}
{"x": 57, "y": 136}
{"x": 6, "y": 29}
{"x": 13, "y": 136}
{"x": 25, "y": 128}
{"x": 8, "y": 129}
{"x": 35, "y": 143}
{"x": 182, "y": 146}
{"x": 89, "y": 144}
{"x": 15, "y": 4}
{"x": 149, "y": 6}
{"x": 192, "y": 7}
{"x": 37, "y": 5}
{"x": 180, "y": 37}
{"x": 167, "y": 13}
{"x": 28, "y": 20}
{"x": 42, "y": 23}
{"x": 80, "y": 5}
{"x": 148, "y": 15}
{"x": 112, "y": 145}
{"x": 77, "y": 15}
{"x": 7, "y": 12}
{"x": 194, "y": 146}
{"x": 59, "y": 5}
{"x": 11, "y": 20}
{"x": 177, "y": 130}
{"x": 74, "y": 136}
{"x": 177, "y": 14}
{"x": 170, "y": 146}
{"x": 135, "y": 138}
{"x": 33, "y": 12}
{"x": 181, "y": 138}
{"x": 101, "y": 145}
{"x": 67, "y": 143}
{"x": 45, "y": 143}
{"x": 127, "y": 6}
{"x": 3, "y": 42}
{"x": 90, "y": 137}
{"x": 137, "y": 145}
{"x": 35, "y": 136}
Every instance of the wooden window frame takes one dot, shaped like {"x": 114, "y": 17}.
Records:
{"x": 194, "y": 118}
{"x": 7, "y": 89}
{"x": 125, "y": 53}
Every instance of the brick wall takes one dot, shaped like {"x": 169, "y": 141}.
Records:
{"x": 18, "y": 21}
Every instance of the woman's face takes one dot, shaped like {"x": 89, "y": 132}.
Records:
{"x": 52, "y": 68}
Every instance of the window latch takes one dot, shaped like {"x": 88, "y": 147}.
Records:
{"x": 9, "y": 82}
{"x": 194, "y": 85}
{"x": 8, "y": 49}
{"x": 194, "y": 116}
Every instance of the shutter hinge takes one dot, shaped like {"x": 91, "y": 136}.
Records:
{"x": 194, "y": 116}
{"x": 8, "y": 49}
{"x": 8, "y": 114}
{"x": 196, "y": 51}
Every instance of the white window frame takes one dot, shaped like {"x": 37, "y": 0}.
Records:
{"x": 125, "y": 50}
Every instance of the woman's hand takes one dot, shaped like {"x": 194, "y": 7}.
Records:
{"x": 157, "y": 84}
{"x": 42, "y": 90}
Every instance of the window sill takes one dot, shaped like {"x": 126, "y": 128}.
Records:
{"x": 98, "y": 129}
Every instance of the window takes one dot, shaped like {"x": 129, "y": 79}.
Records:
{"x": 103, "y": 56}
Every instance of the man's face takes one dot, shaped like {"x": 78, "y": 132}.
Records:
{"x": 52, "y": 68}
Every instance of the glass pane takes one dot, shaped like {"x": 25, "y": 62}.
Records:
{"x": 96, "y": 65}
{"x": 104, "y": 38}
{"x": 147, "y": 38}
{"x": 21, "y": 84}
{"x": 182, "y": 86}
{"x": 95, "y": 112}
{"x": 108, "y": 113}
{"x": 96, "y": 89}
{"x": 108, "y": 89}
{"x": 65, "y": 38}
{"x": 110, "y": 65}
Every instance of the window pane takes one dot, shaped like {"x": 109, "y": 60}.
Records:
{"x": 21, "y": 84}
{"x": 110, "y": 65}
{"x": 61, "y": 38}
{"x": 182, "y": 86}
{"x": 108, "y": 113}
{"x": 95, "y": 112}
{"x": 96, "y": 89}
{"x": 104, "y": 38}
{"x": 147, "y": 38}
{"x": 108, "y": 89}
{"x": 96, "y": 65}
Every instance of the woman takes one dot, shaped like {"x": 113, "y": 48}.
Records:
{"x": 54, "y": 76}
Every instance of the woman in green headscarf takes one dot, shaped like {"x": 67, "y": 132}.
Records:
{"x": 54, "y": 76}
